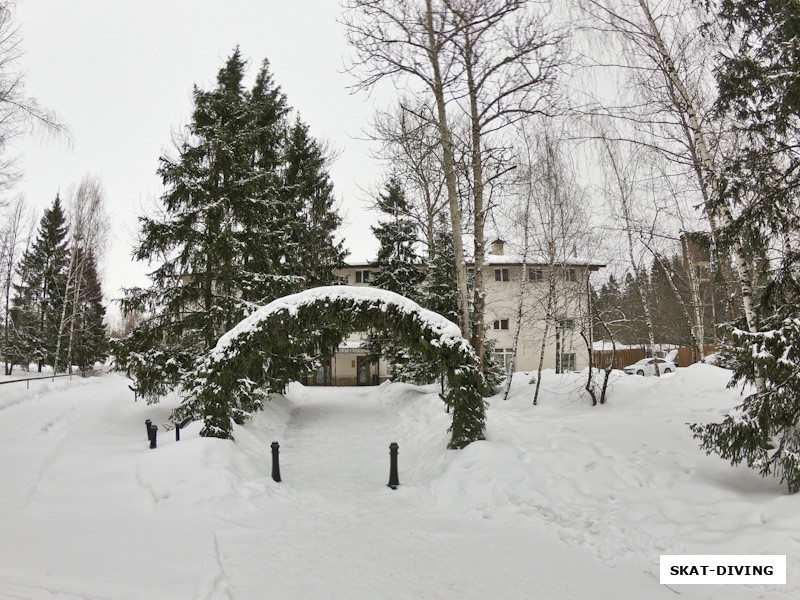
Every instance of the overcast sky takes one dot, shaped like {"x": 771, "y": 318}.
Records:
{"x": 120, "y": 75}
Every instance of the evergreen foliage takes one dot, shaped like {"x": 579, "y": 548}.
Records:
{"x": 397, "y": 270}
{"x": 763, "y": 431}
{"x": 279, "y": 343}
{"x": 248, "y": 216}
{"x": 309, "y": 190}
{"x": 440, "y": 293}
{"x": 619, "y": 306}
{"x": 39, "y": 296}
{"x": 90, "y": 343}
{"x": 397, "y": 263}
{"x": 759, "y": 88}
{"x": 494, "y": 373}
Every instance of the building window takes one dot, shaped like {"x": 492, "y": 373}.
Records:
{"x": 565, "y": 323}
{"x": 568, "y": 361}
{"x": 500, "y": 324}
{"x": 362, "y": 276}
{"x": 570, "y": 275}
{"x": 501, "y": 274}
{"x": 503, "y": 357}
{"x": 535, "y": 274}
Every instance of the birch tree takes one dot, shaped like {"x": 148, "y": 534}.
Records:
{"x": 408, "y": 144}
{"x": 18, "y": 111}
{"x": 555, "y": 229}
{"x": 15, "y": 236}
{"x": 410, "y": 41}
{"x": 89, "y": 225}
{"x": 622, "y": 192}
{"x": 661, "y": 49}
{"x": 487, "y": 63}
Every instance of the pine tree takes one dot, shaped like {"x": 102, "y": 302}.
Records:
{"x": 38, "y": 297}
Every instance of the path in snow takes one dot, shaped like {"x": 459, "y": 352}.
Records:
{"x": 88, "y": 512}
{"x": 350, "y": 536}
{"x": 337, "y": 443}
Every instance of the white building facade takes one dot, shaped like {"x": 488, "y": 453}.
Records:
{"x": 506, "y": 279}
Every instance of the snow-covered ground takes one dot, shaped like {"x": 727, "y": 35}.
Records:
{"x": 563, "y": 500}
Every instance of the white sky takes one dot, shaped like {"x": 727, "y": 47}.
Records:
{"x": 120, "y": 75}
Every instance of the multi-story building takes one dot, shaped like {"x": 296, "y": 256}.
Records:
{"x": 563, "y": 347}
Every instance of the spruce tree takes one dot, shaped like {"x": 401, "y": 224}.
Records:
{"x": 397, "y": 263}
{"x": 232, "y": 230}
{"x": 264, "y": 237}
{"x": 439, "y": 291}
{"x": 759, "y": 83}
{"x": 308, "y": 191}
{"x": 759, "y": 79}
{"x": 397, "y": 270}
{"x": 762, "y": 432}
{"x": 38, "y": 298}
{"x": 90, "y": 343}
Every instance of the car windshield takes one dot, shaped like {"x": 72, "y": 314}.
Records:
{"x": 644, "y": 361}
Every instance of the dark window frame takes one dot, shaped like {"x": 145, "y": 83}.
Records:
{"x": 500, "y": 324}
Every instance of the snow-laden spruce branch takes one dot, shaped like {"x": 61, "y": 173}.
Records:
{"x": 278, "y": 343}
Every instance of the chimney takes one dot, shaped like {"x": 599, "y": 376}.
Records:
{"x": 497, "y": 248}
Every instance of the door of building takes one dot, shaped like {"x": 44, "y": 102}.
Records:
{"x": 324, "y": 372}
{"x": 362, "y": 365}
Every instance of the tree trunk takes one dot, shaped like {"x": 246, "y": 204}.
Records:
{"x": 478, "y": 209}
{"x": 446, "y": 141}
{"x": 548, "y": 317}
{"x": 62, "y": 320}
{"x": 698, "y": 329}
{"x": 75, "y": 301}
{"x": 589, "y": 387}
{"x": 518, "y": 324}
{"x": 689, "y": 323}
{"x": 722, "y": 212}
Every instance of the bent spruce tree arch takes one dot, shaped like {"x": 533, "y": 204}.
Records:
{"x": 273, "y": 346}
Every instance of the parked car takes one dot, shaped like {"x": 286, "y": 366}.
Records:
{"x": 713, "y": 359}
{"x": 647, "y": 366}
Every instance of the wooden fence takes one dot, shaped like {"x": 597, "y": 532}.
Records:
{"x": 628, "y": 356}
{"x": 688, "y": 356}
{"x": 622, "y": 357}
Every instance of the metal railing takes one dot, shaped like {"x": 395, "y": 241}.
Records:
{"x": 52, "y": 377}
